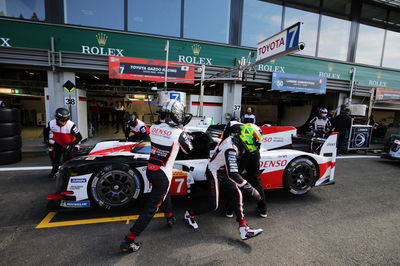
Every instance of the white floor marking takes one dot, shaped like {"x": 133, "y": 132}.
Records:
{"x": 25, "y": 168}
{"x": 358, "y": 156}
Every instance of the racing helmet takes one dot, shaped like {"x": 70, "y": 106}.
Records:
{"x": 133, "y": 119}
{"x": 173, "y": 112}
{"x": 323, "y": 112}
{"x": 251, "y": 137}
{"x": 62, "y": 114}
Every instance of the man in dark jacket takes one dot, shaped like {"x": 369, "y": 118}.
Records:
{"x": 342, "y": 124}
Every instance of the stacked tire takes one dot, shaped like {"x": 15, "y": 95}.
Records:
{"x": 10, "y": 136}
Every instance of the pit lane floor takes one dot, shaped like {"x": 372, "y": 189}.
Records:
{"x": 354, "y": 222}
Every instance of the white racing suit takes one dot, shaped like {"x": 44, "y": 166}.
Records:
{"x": 223, "y": 172}
{"x": 165, "y": 144}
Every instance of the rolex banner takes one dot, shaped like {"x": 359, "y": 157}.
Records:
{"x": 148, "y": 69}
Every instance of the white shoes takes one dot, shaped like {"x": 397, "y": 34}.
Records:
{"x": 246, "y": 232}
{"x": 189, "y": 219}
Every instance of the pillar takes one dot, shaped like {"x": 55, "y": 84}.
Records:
{"x": 231, "y": 100}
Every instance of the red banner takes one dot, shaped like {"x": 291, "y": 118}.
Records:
{"x": 148, "y": 69}
{"x": 387, "y": 95}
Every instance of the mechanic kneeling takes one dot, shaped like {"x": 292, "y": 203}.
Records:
{"x": 222, "y": 171}
{"x": 139, "y": 129}
{"x": 61, "y": 135}
{"x": 166, "y": 137}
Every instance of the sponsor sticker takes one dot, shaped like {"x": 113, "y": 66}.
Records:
{"x": 78, "y": 180}
{"x": 76, "y": 204}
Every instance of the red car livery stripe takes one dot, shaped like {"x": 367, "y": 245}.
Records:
{"x": 323, "y": 167}
{"x": 275, "y": 129}
{"x": 112, "y": 150}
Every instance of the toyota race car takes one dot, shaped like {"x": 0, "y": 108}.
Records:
{"x": 393, "y": 149}
{"x": 113, "y": 173}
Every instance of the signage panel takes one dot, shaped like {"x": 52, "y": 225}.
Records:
{"x": 279, "y": 43}
{"x": 360, "y": 137}
{"x": 387, "y": 95}
{"x": 148, "y": 69}
{"x": 298, "y": 83}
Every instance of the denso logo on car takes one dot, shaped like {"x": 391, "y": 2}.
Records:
{"x": 78, "y": 180}
{"x": 162, "y": 132}
{"x": 276, "y": 163}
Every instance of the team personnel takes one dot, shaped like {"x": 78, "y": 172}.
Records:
{"x": 139, "y": 129}
{"x": 249, "y": 117}
{"x": 250, "y": 161}
{"x": 61, "y": 135}
{"x": 320, "y": 125}
{"x": 223, "y": 172}
{"x": 166, "y": 137}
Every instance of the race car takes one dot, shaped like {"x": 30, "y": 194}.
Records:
{"x": 113, "y": 173}
{"x": 393, "y": 149}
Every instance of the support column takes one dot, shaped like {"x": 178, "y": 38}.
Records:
{"x": 55, "y": 96}
{"x": 231, "y": 100}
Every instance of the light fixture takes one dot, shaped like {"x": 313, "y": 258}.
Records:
{"x": 96, "y": 77}
{"x": 258, "y": 89}
{"x": 78, "y": 77}
{"x": 197, "y": 84}
{"x": 213, "y": 85}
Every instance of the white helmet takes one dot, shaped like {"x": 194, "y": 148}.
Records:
{"x": 174, "y": 112}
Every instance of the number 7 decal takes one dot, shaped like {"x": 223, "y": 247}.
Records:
{"x": 292, "y": 38}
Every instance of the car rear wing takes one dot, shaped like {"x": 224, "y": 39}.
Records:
{"x": 328, "y": 149}
{"x": 277, "y": 136}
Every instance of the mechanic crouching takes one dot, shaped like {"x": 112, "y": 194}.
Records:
{"x": 223, "y": 172}
{"x": 166, "y": 137}
{"x": 60, "y": 135}
{"x": 137, "y": 127}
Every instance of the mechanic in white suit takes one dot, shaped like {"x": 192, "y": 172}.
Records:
{"x": 166, "y": 137}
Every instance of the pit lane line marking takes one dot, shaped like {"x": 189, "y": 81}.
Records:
{"x": 46, "y": 222}
{"x": 25, "y": 168}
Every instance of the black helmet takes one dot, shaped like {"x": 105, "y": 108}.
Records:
{"x": 62, "y": 113}
{"x": 174, "y": 112}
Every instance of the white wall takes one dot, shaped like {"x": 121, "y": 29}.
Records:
{"x": 296, "y": 115}
{"x": 215, "y": 112}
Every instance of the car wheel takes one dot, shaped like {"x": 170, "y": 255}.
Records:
{"x": 300, "y": 176}
{"x": 115, "y": 186}
{"x": 8, "y": 115}
{"x": 9, "y": 129}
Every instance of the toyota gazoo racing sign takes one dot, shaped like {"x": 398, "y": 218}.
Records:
{"x": 279, "y": 44}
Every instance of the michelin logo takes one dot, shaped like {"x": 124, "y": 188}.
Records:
{"x": 78, "y": 180}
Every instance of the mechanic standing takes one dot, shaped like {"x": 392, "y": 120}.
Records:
{"x": 166, "y": 137}
{"x": 139, "y": 129}
{"x": 320, "y": 125}
{"x": 223, "y": 172}
{"x": 61, "y": 135}
{"x": 249, "y": 117}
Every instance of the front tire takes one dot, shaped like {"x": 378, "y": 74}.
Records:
{"x": 115, "y": 186}
{"x": 300, "y": 176}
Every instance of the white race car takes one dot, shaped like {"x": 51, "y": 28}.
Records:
{"x": 113, "y": 174}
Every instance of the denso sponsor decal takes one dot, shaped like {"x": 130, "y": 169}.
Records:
{"x": 78, "y": 180}
{"x": 274, "y": 163}
{"x": 161, "y": 132}
{"x": 77, "y": 204}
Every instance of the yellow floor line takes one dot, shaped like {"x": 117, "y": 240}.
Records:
{"x": 46, "y": 222}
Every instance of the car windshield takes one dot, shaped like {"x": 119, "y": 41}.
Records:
{"x": 142, "y": 148}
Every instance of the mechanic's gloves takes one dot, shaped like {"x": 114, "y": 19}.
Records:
{"x": 248, "y": 189}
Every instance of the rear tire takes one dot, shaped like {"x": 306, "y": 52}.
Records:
{"x": 8, "y": 157}
{"x": 9, "y": 129}
{"x": 115, "y": 186}
{"x": 300, "y": 176}
{"x": 10, "y": 143}
{"x": 8, "y": 115}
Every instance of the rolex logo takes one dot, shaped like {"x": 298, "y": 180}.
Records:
{"x": 196, "y": 49}
{"x": 101, "y": 38}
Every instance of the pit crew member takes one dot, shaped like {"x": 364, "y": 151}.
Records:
{"x": 61, "y": 135}
{"x": 250, "y": 161}
{"x": 320, "y": 125}
{"x": 139, "y": 129}
{"x": 167, "y": 137}
{"x": 223, "y": 172}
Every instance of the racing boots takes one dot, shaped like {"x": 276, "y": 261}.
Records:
{"x": 170, "y": 221}
{"x": 246, "y": 232}
{"x": 129, "y": 245}
{"x": 189, "y": 219}
{"x": 262, "y": 213}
